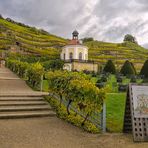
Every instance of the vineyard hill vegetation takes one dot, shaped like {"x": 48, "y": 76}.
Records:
{"x": 31, "y": 41}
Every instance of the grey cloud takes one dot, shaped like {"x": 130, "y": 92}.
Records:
{"x": 108, "y": 9}
{"x": 107, "y": 20}
{"x": 145, "y": 45}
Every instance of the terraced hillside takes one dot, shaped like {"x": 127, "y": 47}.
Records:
{"x": 118, "y": 52}
{"x": 29, "y": 40}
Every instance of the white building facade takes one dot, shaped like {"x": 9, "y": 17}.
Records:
{"x": 74, "y": 52}
{"x": 75, "y": 56}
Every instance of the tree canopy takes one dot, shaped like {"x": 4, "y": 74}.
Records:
{"x": 87, "y": 39}
{"x": 130, "y": 38}
{"x": 1, "y": 16}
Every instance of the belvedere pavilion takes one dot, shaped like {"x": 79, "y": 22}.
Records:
{"x": 75, "y": 56}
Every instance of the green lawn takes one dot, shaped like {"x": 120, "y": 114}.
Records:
{"x": 115, "y": 105}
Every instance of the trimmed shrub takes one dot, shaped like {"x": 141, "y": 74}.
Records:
{"x": 144, "y": 70}
{"x": 133, "y": 68}
{"x": 127, "y": 69}
{"x": 109, "y": 67}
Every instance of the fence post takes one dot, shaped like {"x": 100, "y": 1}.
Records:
{"x": 41, "y": 89}
{"x": 104, "y": 117}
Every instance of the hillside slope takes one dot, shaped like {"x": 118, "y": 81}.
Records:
{"x": 29, "y": 40}
{"x": 118, "y": 52}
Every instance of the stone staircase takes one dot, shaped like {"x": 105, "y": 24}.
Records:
{"x": 17, "y": 100}
{"x": 24, "y": 107}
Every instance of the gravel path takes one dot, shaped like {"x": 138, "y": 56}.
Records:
{"x": 55, "y": 133}
{"x": 51, "y": 132}
{"x": 10, "y": 83}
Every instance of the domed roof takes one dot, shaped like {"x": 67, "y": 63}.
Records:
{"x": 75, "y": 32}
{"x": 74, "y": 42}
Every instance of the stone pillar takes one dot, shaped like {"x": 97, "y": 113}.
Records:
{"x": 75, "y": 53}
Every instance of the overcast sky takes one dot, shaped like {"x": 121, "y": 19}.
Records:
{"x": 105, "y": 20}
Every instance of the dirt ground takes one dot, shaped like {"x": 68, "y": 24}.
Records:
{"x": 51, "y": 132}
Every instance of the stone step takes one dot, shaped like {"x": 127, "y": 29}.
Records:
{"x": 18, "y": 103}
{"x": 4, "y": 70}
{"x": 24, "y": 94}
{"x": 24, "y": 108}
{"x": 21, "y": 99}
{"x": 9, "y": 78}
{"x": 25, "y": 114}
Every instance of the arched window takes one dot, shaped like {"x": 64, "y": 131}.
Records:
{"x": 86, "y": 56}
{"x": 70, "y": 55}
{"x": 64, "y": 56}
{"x": 80, "y": 56}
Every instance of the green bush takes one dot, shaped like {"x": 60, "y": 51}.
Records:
{"x": 73, "y": 118}
{"x": 31, "y": 72}
{"x": 130, "y": 38}
{"x": 91, "y": 127}
{"x": 53, "y": 65}
{"x": 34, "y": 74}
{"x": 127, "y": 69}
{"x": 109, "y": 67}
{"x": 144, "y": 70}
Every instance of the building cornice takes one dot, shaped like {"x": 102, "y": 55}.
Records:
{"x": 74, "y": 46}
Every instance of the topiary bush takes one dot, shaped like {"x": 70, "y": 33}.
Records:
{"x": 127, "y": 69}
{"x": 109, "y": 67}
{"x": 144, "y": 70}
